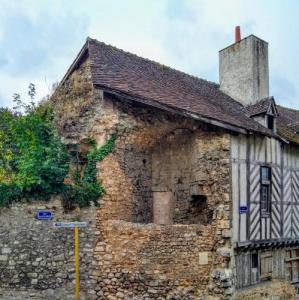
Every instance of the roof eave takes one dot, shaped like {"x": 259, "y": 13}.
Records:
{"x": 155, "y": 104}
{"x": 149, "y": 102}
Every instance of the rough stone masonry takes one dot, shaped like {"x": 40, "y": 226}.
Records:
{"x": 134, "y": 258}
{"x": 36, "y": 256}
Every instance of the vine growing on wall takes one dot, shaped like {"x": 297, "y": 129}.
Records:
{"x": 85, "y": 188}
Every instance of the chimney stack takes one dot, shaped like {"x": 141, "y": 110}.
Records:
{"x": 243, "y": 69}
{"x": 237, "y": 34}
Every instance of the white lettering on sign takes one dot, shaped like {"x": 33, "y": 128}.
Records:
{"x": 69, "y": 224}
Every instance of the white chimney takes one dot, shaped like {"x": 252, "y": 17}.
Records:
{"x": 244, "y": 69}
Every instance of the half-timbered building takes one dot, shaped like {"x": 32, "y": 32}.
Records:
{"x": 264, "y": 171}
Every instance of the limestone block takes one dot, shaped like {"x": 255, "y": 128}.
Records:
{"x": 224, "y": 251}
{"x": 203, "y": 258}
{"x": 3, "y": 257}
{"x": 226, "y": 233}
{"x": 6, "y": 250}
{"x": 162, "y": 206}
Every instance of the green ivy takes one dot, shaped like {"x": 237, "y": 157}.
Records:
{"x": 86, "y": 189}
{"x": 96, "y": 155}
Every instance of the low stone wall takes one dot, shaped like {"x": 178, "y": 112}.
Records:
{"x": 138, "y": 261}
{"x": 35, "y": 255}
{"x": 119, "y": 260}
{"x": 276, "y": 290}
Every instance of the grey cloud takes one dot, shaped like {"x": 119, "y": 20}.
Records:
{"x": 284, "y": 91}
{"x": 31, "y": 47}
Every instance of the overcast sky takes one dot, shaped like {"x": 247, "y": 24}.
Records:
{"x": 39, "y": 39}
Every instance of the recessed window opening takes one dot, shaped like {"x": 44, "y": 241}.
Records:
{"x": 254, "y": 260}
{"x": 254, "y": 275}
{"x": 198, "y": 199}
{"x": 199, "y": 213}
{"x": 270, "y": 122}
{"x": 265, "y": 191}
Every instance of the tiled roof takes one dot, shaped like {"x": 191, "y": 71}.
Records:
{"x": 288, "y": 123}
{"x": 260, "y": 107}
{"x": 129, "y": 73}
{"x": 287, "y": 119}
{"x": 143, "y": 79}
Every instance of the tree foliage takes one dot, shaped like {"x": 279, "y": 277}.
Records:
{"x": 34, "y": 162}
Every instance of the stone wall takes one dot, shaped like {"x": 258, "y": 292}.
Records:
{"x": 186, "y": 162}
{"x": 155, "y": 151}
{"x": 160, "y": 152}
{"x": 75, "y": 105}
{"x": 138, "y": 261}
{"x": 278, "y": 290}
{"x": 35, "y": 255}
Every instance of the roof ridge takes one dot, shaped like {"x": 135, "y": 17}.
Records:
{"x": 89, "y": 39}
{"x": 288, "y": 108}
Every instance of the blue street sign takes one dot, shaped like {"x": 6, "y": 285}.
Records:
{"x": 44, "y": 215}
{"x": 243, "y": 210}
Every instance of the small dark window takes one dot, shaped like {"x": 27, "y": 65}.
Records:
{"x": 270, "y": 122}
{"x": 254, "y": 274}
{"x": 265, "y": 196}
{"x": 198, "y": 199}
{"x": 265, "y": 173}
{"x": 254, "y": 260}
{"x": 199, "y": 212}
{"x": 265, "y": 191}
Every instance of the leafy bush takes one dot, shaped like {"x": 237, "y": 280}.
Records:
{"x": 9, "y": 193}
{"x": 34, "y": 162}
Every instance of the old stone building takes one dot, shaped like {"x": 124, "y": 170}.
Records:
{"x": 202, "y": 187}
